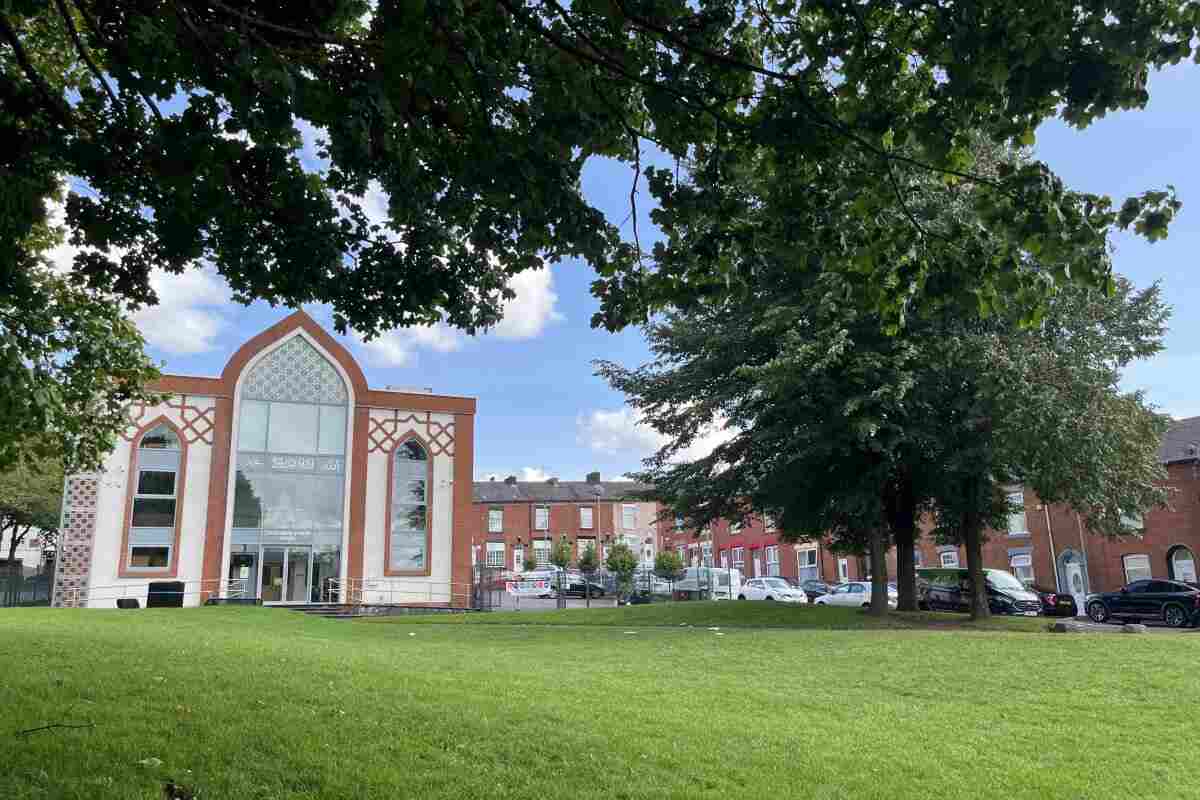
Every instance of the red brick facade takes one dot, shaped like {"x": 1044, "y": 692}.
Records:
{"x": 1101, "y": 561}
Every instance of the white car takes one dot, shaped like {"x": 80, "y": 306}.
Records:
{"x": 772, "y": 589}
{"x": 854, "y": 594}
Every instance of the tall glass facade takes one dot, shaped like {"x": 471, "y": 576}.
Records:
{"x": 288, "y": 509}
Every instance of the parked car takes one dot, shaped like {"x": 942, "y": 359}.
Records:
{"x": 1054, "y": 603}
{"x": 815, "y": 589}
{"x": 576, "y": 586}
{"x": 708, "y": 583}
{"x": 773, "y": 589}
{"x": 855, "y": 594}
{"x": 1175, "y": 603}
{"x": 949, "y": 589}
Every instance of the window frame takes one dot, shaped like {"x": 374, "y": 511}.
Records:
{"x": 590, "y": 522}
{"x": 738, "y": 557}
{"x": 125, "y": 569}
{"x": 490, "y": 549}
{"x": 499, "y": 527}
{"x": 625, "y": 509}
{"x": 1012, "y": 498}
{"x": 942, "y": 559}
{"x": 541, "y": 552}
{"x": 1125, "y": 567}
{"x": 388, "y": 570}
{"x": 843, "y": 569}
{"x": 536, "y": 511}
{"x": 772, "y": 560}
{"x": 1016, "y": 568}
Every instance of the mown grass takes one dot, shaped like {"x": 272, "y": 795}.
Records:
{"x": 730, "y": 614}
{"x": 253, "y": 703}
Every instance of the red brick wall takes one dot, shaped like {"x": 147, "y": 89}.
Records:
{"x": 519, "y": 526}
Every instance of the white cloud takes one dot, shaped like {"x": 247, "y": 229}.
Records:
{"x": 187, "y": 318}
{"x": 624, "y": 431}
{"x": 527, "y": 314}
{"x": 397, "y": 348}
{"x": 522, "y": 474}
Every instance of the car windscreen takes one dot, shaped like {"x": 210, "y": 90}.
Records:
{"x": 1005, "y": 581}
{"x": 777, "y": 583}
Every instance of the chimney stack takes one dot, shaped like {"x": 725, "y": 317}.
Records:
{"x": 511, "y": 480}
{"x": 593, "y": 477}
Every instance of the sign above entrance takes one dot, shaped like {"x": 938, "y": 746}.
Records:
{"x": 530, "y": 588}
{"x": 263, "y": 462}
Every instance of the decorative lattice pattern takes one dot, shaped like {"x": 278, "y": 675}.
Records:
{"x": 295, "y": 371}
{"x": 77, "y": 534}
{"x": 384, "y": 433}
{"x": 195, "y": 422}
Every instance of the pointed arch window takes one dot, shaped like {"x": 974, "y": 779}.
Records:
{"x": 156, "y": 486}
{"x": 408, "y": 526}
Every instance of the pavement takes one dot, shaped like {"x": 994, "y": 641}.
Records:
{"x": 1115, "y": 627}
{"x": 508, "y": 603}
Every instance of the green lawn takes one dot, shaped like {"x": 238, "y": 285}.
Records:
{"x": 252, "y": 703}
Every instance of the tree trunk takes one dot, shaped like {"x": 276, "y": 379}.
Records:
{"x": 879, "y": 591}
{"x": 973, "y": 539}
{"x": 906, "y": 568}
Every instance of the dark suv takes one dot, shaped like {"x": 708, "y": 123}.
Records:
{"x": 1175, "y": 603}
{"x": 949, "y": 590}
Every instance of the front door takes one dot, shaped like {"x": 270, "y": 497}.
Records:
{"x": 286, "y": 574}
{"x": 1075, "y": 585}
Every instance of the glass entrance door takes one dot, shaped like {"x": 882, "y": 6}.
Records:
{"x": 286, "y": 574}
{"x": 273, "y": 562}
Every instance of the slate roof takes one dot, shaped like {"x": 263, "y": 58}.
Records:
{"x": 1181, "y": 442}
{"x": 559, "y": 492}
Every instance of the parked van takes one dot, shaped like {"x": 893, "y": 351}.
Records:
{"x": 709, "y": 583}
{"x": 950, "y": 590}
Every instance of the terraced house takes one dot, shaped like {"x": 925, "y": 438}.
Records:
{"x": 285, "y": 479}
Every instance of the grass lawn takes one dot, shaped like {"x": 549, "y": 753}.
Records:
{"x": 253, "y": 703}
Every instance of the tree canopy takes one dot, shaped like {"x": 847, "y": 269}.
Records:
{"x": 30, "y": 499}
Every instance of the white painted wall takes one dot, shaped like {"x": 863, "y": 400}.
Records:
{"x": 103, "y": 585}
{"x": 436, "y": 588}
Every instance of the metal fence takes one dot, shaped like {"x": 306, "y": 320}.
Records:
{"x": 21, "y": 586}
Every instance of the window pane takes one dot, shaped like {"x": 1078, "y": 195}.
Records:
{"x": 252, "y": 426}
{"x": 408, "y": 491}
{"x": 542, "y": 518}
{"x": 161, "y": 437}
{"x": 149, "y": 557}
{"x": 333, "y": 430}
{"x": 495, "y": 520}
{"x": 247, "y": 506}
{"x": 410, "y": 451}
{"x": 155, "y": 482}
{"x": 408, "y": 518}
{"x": 152, "y": 513}
{"x": 293, "y": 428}
{"x": 585, "y": 518}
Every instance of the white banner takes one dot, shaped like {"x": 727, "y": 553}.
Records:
{"x": 535, "y": 587}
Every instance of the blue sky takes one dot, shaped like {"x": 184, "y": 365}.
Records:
{"x": 541, "y": 411}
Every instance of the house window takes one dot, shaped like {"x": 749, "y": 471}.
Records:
{"x": 541, "y": 552}
{"x": 1183, "y": 565}
{"x": 917, "y": 557}
{"x": 806, "y": 564}
{"x": 152, "y": 516}
{"x": 495, "y": 520}
{"x": 768, "y": 522}
{"x": 1133, "y": 522}
{"x": 1022, "y": 567}
{"x": 706, "y": 554}
{"x": 409, "y": 540}
{"x": 756, "y": 562}
{"x": 1017, "y": 526}
{"x": 739, "y": 558}
{"x": 724, "y": 559}
{"x": 629, "y": 517}
{"x": 678, "y": 523}
{"x": 1137, "y": 567}
{"x": 541, "y": 518}
{"x": 772, "y": 560}
{"x": 843, "y": 569}
{"x": 518, "y": 558}
{"x": 682, "y": 551}
{"x": 583, "y": 545}
{"x": 585, "y": 517}
{"x": 949, "y": 558}
{"x": 648, "y": 554}
{"x": 495, "y": 555}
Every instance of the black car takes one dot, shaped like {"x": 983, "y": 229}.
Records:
{"x": 577, "y": 587}
{"x": 949, "y": 589}
{"x": 814, "y": 589}
{"x": 1056, "y": 604}
{"x": 1172, "y": 602}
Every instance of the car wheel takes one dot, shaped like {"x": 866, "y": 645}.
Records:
{"x": 866, "y": 605}
{"x": 1174, "y": 615}
{"x": 741, "y": 597}
{"x": 770, "y": 599}
{"x": 1097, "y": 611}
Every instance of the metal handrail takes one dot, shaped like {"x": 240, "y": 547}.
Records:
{"x": 77, "y": 596}
{"x": 399, "y": 591}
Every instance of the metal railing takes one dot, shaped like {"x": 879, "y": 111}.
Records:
{"x": 78, "y": 597}
{"x": 399, "y": 591}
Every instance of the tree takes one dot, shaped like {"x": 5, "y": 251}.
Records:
{"x": 30, "y": 501}
{"x": 560, "y": 556}
{"x": 530, "y": 563}
{"x": 622, "y": 562}
{"x": 246, "y": 137}
{"x": 668, "y": 566}
{"x": 589, "y": 562}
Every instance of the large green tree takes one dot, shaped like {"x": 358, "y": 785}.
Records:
{"x": 30, "y": 499}
{"x": 181, "y": 126}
